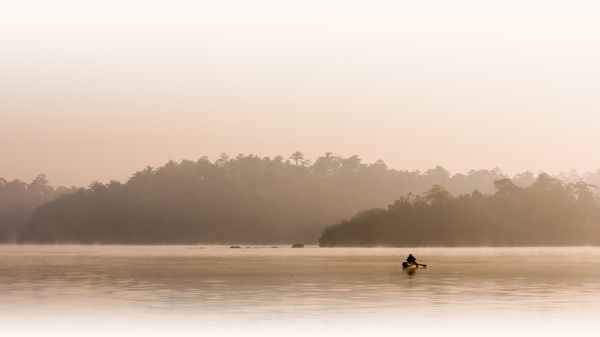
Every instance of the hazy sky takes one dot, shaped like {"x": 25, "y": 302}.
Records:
{"x": 96, "y": 90}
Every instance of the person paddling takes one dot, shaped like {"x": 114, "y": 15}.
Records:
{"x": 411, "y": 259}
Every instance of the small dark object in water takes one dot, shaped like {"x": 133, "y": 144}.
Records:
{"x": 235, "y": 247}
{"x": 298, "y": 245}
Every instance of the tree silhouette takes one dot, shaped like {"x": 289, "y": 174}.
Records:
{"x": 297, "y": 157}
{"x": 249, "y": 199}
{"x": 546, "y": 213}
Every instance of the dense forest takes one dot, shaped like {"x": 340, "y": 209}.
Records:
{"x": 19, "y": 199}
{"x": 244, "y": 199}
{"x": 546, "y": 213}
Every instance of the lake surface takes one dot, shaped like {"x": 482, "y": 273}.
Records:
{"x": 263, "y": 291}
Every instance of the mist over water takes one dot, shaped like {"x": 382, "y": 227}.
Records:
{"x": 214, "y": 290}
{"x": 133, "y": 108}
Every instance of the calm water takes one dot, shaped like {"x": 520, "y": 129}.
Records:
{"x": 260, "y": 291}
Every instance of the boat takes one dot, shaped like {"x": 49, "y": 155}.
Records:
{"x": 409, "y": 265}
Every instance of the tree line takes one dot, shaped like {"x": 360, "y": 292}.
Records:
{"x": 549, "y": 212}
{"x": 232, "y": 200}
{"x": 19, "y": 199}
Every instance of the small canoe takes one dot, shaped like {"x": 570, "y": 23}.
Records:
{"x": 409, "y": 265}
{"x": 412, "y": 265}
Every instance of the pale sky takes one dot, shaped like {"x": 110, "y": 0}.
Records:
{"x": 96, "y": 90}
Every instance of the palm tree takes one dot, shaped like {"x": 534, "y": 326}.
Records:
{"x": 297, "y": 157}
{"x": 148, "y": 170}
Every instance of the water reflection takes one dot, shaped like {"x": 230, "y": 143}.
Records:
{"x": 462, "y": 290}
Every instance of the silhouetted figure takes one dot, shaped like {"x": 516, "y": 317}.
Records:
{"x": 411, "y": 259}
